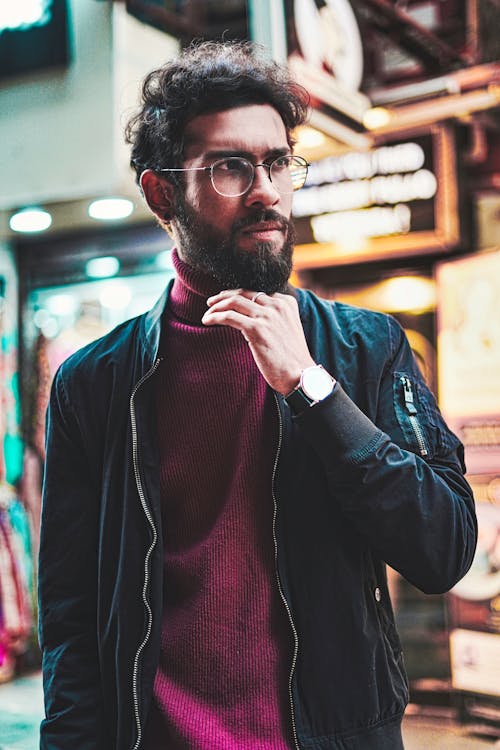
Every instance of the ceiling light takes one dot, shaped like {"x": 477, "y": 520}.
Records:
{"x": 376, "y": 117}
{"x": 102, "y": 268}
{"x": 308, "y": 137}
{"x": 407, "y": 294}
{"x": 30, "y": 220}
{"x": 109, "y": 209}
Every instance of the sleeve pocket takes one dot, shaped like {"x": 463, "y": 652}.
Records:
{"x": 419, "y": 418}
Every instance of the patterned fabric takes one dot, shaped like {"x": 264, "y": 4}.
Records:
{"x": 16, "y": 581}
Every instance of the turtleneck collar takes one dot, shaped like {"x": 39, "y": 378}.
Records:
{"x": 191, "y": 288}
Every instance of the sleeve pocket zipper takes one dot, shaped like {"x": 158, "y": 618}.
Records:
{"x": 412, "y": 415}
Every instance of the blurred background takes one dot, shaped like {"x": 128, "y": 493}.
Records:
{"x": 401, "y": 213}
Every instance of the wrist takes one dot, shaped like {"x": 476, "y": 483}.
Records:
{"x": 293, "y": 381}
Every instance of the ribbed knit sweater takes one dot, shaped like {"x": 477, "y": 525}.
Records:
{"x": 226, "y": 646}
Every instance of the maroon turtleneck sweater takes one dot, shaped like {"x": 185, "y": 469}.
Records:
{"x": 226, "y": 650}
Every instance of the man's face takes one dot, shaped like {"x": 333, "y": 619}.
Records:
{"x": 244, "y": 241}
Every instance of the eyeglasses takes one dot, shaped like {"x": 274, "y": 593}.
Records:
{"x": 234, "y": 175}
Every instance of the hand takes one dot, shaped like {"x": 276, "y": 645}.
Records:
{"x": 273, "y": 329}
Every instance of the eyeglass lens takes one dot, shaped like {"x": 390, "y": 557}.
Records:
{"x": 234, "y": 176}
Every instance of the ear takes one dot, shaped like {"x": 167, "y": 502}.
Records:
{"x": 159, "y": 195}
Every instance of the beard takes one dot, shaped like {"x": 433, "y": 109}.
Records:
{"x": 265, "y": 268}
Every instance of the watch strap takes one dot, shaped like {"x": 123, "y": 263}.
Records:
{"x": 298, "y": 401}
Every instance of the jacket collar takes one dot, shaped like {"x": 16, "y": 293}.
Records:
{"x": 150, "y": 330}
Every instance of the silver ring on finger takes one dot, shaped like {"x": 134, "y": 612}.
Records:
{"x": 257, "y": 295}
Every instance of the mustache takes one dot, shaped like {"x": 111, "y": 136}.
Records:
{"x": 261, "y": 216}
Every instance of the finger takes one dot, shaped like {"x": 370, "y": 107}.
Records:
{"x": 254, "y": 296}
{"x": 233, "y": 319}
{"x": 238, "y": 303}
{"x": 228, "y": 293}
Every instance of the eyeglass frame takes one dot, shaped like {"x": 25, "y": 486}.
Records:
{"x": 254, "y": 167}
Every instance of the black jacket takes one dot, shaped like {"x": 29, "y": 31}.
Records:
{"x": 369, "y": 476}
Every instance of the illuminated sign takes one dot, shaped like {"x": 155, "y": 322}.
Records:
{"x": 369, "y": 222}
{"x": 469, "y": 352}
{"x": 397, "y": 199}
{"x": 24, "y": 14}
{"x": 33, "y": 35}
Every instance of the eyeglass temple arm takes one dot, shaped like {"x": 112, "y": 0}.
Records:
{"x": 184, "y": 169}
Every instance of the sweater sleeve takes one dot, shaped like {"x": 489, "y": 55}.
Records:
{"x": 400, "y": 477}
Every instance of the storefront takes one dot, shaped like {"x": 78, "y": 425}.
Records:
{"x": 397, "y": 196}
{"x": 401, "y": 204}
{"x": 469, "y": 351}
{"x": 86, "y": 284}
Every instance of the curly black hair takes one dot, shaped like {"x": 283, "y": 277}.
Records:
{"x": 207, "y": 77}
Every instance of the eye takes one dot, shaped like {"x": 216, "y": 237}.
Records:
{"x": 232, "y": 164}
{"x": 282, "y": 162}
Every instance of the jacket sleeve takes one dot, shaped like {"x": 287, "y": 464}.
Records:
{"x": 67, "y": 586}
{"x": 399, "y": 478}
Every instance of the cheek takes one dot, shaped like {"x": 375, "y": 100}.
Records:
{"x": 193, "y": 195}
{"x": 219, "y": 211}
{"x": 286, "y": 205}
{"x": 207, "y": 203}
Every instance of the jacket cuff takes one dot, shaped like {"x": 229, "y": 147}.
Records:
{"x": 336, "y": 425}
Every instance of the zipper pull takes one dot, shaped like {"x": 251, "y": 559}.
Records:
{"x": 408, "y": 396}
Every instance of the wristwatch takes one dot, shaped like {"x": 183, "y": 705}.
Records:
{"x": 315, "y": 384}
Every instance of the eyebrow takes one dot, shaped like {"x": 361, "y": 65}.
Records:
{"x": 274, "y": 153}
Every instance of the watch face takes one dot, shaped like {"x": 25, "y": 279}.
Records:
{"x": 316, "y": 383}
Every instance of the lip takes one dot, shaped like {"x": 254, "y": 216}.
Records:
{"x": 263, "y": 228}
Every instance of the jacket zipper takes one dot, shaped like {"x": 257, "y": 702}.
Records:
{"x": 147, "y": 512}
{"x": 412, "y": 415}
{"x": 280, "y": 588}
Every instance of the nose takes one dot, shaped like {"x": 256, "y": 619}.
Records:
{"x": 262, "y": 190}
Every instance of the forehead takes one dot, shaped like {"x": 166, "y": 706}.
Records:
{"x": 254, "y": 128}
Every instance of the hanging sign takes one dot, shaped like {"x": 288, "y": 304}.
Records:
{"x": 469, "y": 355}
{"x": 329, "y": 39}
{"x": 398, "y": 199}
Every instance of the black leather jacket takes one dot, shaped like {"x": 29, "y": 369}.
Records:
{"x": 369, "y": 476}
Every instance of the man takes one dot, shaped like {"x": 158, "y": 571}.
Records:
{"x": 228, "y": 474}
